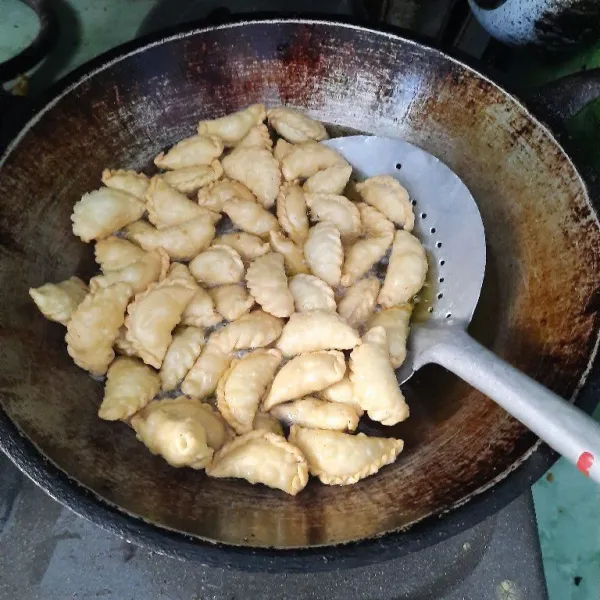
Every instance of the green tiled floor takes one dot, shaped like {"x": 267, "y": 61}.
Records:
{"x": 568, "y": 513}
{"x": 567, "y": 504}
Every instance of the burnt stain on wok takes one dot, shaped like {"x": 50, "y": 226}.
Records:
{"x": 303, "y": 58}
{"x": 579, "y": 227}
{"x": 576, "y": 343}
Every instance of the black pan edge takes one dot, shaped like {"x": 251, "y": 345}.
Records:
{"x": 508, "y": 486}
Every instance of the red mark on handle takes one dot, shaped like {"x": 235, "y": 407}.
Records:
{"x": 585, "y": 462}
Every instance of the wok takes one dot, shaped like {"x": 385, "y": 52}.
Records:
{"x": 464, "y": 457}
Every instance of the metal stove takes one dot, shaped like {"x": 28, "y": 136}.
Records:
{"x": 49, "y": 553}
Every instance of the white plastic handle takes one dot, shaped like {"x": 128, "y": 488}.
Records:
{"x": 564, "y": 427}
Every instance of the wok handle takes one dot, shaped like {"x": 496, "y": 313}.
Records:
{"x": 40, "y": 47}
{"x": 15, "y": 109}
{"x": 564, "y": 427}
{"x": 563, "y": 98}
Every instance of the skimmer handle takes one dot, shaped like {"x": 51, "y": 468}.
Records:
{"x": 564, "y": 427}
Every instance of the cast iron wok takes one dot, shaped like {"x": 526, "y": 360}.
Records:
{"x": 464, "y": 457}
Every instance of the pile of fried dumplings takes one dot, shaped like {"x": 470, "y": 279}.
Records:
{"x": 246, "y": 286}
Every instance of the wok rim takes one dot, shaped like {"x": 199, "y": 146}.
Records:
{"x": 467, "y": 513}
